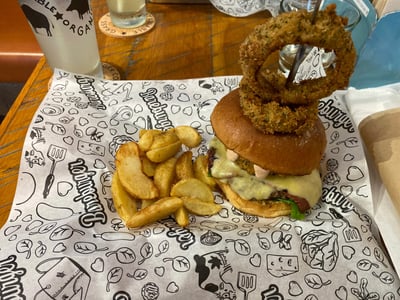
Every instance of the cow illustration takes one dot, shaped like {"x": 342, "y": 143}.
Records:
{"x": 34, "y": 156}
{"x": 213, "y": 86}
{"x": 36, "y": 19}
{"x": 212, "y": 268}
{"x": 81, "y": 6}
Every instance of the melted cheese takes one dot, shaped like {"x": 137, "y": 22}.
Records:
{"x": 251, "y": 187}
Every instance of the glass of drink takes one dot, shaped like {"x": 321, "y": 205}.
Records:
{"x": 344, "y": 8}
{"x": 66, "y": 34}
{"x": 127, "y": 13}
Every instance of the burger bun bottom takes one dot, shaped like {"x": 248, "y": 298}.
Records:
{"x": 265, "y": 208}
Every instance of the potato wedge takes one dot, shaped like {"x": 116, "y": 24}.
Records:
{"x": 143, "y": 131}
{"x": 124, "y": 204}
{"x": 200, "y": 167}
{"x": 164, "y": 175}
{"x": 184, "y": 166}
{"x": 146, "y": 138}
{"x": 158, "y": 210}
{"x": 194, "y": 188}
{"x": 148, "y": 166}
{"x": 131, "y": 176}
{"x": 158, "y": 155}
{"x": 182, "y": 217}
{"x": 163, "y": 139}
{"x": 199, "y": 207}
{"x": 189, "y": 136}
{"x": 146, "y": 203}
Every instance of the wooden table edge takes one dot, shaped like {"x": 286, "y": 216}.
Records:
{"x": 7, "y": 124}
{"x": 21, "y": 96}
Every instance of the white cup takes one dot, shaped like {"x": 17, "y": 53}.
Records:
{"x": 127, "y": 13}
{"x": 65, "y": 31}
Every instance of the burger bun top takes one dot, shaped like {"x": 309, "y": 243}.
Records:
{"x": 288, "y": 154}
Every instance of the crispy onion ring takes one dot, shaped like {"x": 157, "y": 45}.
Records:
{"x": 296, "y": 28}
{"x": 272, "y": 117}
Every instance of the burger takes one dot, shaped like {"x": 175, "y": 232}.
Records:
{"x": 269, "y": 140}
{"x": 267, "y": 175}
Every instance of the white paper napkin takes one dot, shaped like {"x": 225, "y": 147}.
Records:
{"x": 361, "y": 104}
{"x": 64, "y": 238}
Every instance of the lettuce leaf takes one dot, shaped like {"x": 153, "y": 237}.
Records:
{"x": 295, "y": 212}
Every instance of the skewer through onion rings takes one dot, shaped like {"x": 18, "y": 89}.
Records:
{"x": 273, "y": 117}
{"x": 296, "y": 28}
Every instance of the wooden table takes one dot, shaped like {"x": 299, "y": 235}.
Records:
{"x": 188, "y": 41}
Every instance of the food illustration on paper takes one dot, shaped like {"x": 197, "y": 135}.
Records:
{"x": 65, "y": 240}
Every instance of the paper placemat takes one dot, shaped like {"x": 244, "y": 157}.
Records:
{"x": 64, "y": 240}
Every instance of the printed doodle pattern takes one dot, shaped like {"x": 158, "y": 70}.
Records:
{"x": 64, "y": 240}
{"x": 242, "y": 8}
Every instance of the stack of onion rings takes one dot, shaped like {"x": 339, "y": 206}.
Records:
{"x": 272, "y": 116}
{"x": 263, "y": 89}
